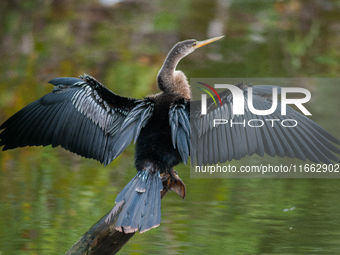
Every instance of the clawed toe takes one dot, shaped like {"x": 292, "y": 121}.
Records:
{"x": 171, "y": 181}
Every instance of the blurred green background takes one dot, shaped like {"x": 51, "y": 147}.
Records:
{"x": 50, "y": 197}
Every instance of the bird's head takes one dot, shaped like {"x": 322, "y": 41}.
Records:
{"x": 175, "y": 82}
{"x": 186, "y": 47}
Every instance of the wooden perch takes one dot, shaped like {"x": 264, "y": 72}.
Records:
{"x": 103, "y": 238}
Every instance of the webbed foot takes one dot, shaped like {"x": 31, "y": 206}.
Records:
{"x": 171, "y": 181}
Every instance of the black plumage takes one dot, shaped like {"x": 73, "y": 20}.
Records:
{"x": 84, "y": 117}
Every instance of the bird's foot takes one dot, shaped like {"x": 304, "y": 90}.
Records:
{"x": 171, "y": 181}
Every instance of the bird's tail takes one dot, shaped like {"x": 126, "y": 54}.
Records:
{"x": 140, "y": 202}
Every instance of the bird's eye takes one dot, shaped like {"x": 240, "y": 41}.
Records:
{"x": 194, "y": 44}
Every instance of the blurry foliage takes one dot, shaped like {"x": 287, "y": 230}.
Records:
{"x": 50, "y": 197}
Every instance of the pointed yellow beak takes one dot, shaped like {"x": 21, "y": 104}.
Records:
{"x": 205, "y": 42}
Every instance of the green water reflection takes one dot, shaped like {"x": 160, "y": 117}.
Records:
{"x": 50, "y": 197}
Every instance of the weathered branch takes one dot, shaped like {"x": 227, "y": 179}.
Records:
{"x": 103, "y": 238}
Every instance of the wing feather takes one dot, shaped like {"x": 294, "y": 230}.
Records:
{"x": 80, "y": 115}
{"x": 180, "y": 128}
{"x": 225, "y": 142}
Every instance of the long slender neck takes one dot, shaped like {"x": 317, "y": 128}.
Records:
{"x": 166, "y": 74}
{"x": 171, "y": 81}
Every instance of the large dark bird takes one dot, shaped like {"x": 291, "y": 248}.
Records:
{"x": 84, "y": 117}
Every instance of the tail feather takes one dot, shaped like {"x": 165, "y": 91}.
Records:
{"x": 152, "y": 217}
{"x": 142, "y": 203}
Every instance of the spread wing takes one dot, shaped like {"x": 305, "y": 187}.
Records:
{"x": 225, "y": 142}
{"x": 80, "y": 115}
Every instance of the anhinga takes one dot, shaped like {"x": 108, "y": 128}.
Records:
{"x": 84, "y": 117}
